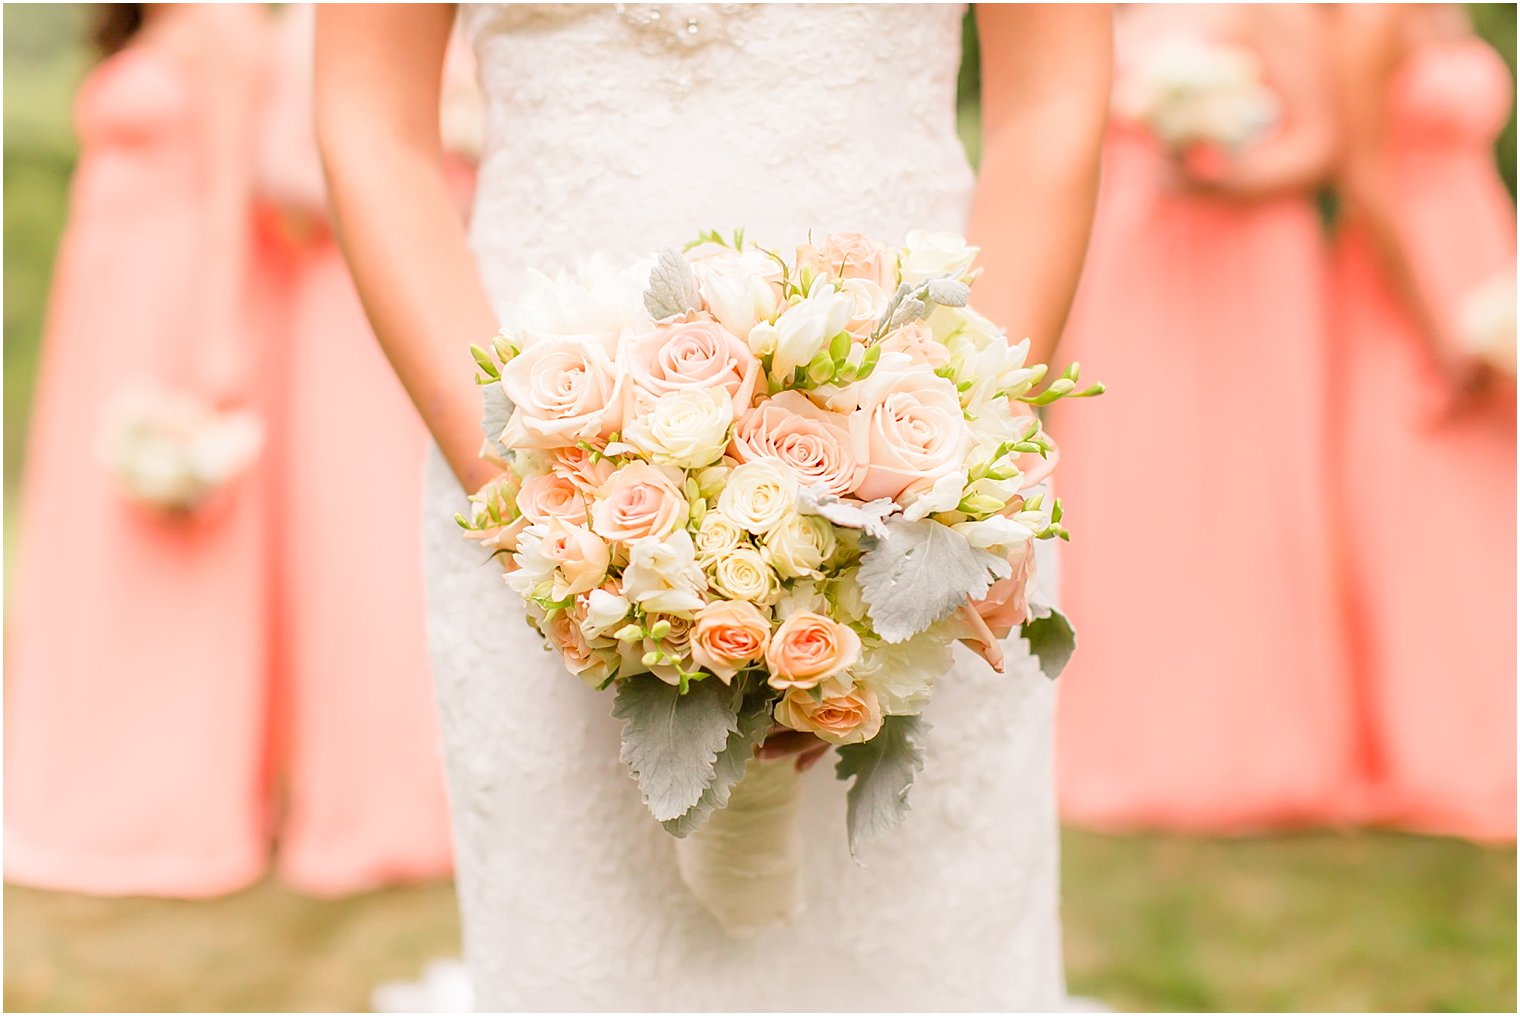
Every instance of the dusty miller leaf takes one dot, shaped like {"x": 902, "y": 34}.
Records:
{"x": 672, "y": 289}
{"x": 948, "y": 292}
{"x": 884, "y": 769}
{"x": 498, "y": 410}
{"x": 919, "y": 573}
{"x": 867, "y": 516}
{"x": 1051, "y": 640}
{"x": 671, "y": 741}
{"x": 754, "y": 721}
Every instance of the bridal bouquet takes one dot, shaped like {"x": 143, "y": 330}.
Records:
{"x": 750, "y": 492}
{"x": 170, "y": 449}
{"x": 1487, "y": 325}
{"x": 1193, "y": 92}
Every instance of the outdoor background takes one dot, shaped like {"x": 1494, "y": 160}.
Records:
{"x": 1314, "y": 921}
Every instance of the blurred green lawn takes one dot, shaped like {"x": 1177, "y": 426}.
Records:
{"x": 1313, "y": 921}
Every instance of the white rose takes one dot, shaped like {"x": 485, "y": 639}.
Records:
{"x": 867, "y": 303}
{"x": 927, "y": 254}
{"x": 803, "y": 595}
{"x": 662, "y": 575}
{"x": 742, "y": 574}
{"x": 759, "y": 494}
{"x": 798, "y": 546}
{"x": 687, "y": 428}
{"x": 807, "y": 326}
{"x": 737, "y": 288}
{"x": 604, "y": 611}
{"x": 717, "y": 534}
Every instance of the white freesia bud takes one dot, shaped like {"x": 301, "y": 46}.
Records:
{"x": 928, "y": 254}
{"x": 687, "y": 428}
{"x": 760, "y": 493}
{"x": 737, "y": 288}
{"x": 920, "y": 500}
{"x": 807, "y": 326}
{"x": 604, "y": 609}
{"x": 662, "y": 575}
{"x": 996, "y": 531}
{"x": 798, "y": 546}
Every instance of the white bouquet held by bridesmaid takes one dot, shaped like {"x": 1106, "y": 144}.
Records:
{"x": 749, "y": 492}
{"x": 172, "y": 450}
{"x": 1487, "y": 325}
{"x": 1191, "y": 91}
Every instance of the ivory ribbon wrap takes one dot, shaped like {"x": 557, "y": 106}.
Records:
{"x": 745, "y": 863}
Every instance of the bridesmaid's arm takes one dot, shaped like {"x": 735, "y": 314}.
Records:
{"x": 1045, "y": 90}
{"x": 378, "y": 75}
{"x": 1293, "y": 43}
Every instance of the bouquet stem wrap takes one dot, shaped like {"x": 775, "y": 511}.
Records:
{"x": 744, "y": 865}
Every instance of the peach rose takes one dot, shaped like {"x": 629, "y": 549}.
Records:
{"x": 638, "y": 502}
{"x": 916, "y": 340}
{"x": 548, "y": 496}
{"x": 581, "y": 467}
{"x": 912, "y": 429}
{"x": 840, "y": 717}
{"x": 809, "y": 648}
{"x": 729, "y": 635}
{"x": 694, "y": 354}
{"x": 581, "y": 556}
{"x": 851, "y": 256}
{"x": 818, "y": 445}
{"x": 1006, "y": 606}
{"x": 565, "y": 634}
{"x": 564, "y": 389}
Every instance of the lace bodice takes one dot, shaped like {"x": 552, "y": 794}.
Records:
{"x": 619, "y": 131}
{"x": 656, "y": 121}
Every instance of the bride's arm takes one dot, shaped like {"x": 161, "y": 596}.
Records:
{"x": 1045, "y": 93}
{"x": 378, "y": 77}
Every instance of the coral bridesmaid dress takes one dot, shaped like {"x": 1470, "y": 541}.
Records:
{"x": 1428, "y": 498}
{"x": 137, "y": 665}
{"x": 1206, "y": 694}
{"x": 359, "y": 737}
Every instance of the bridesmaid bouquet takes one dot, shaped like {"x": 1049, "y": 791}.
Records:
{"x": 1487, "y": 325}
{"x": 748, "y": 492}
{"x": 172, "y": 450}
{"x": 1192, "y": 92}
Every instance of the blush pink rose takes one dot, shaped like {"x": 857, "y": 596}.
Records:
{"x": 912, "y": 429}
{"x": 851, "y": 256}
{"x": 844, "y": 717}
{"x": 729, "y": 635}
{"x": 694, "y": 354}
{"x": 638, "y": 502}
{"x": 917, "y": 341}
{"x": 581, "y": 467}
{"x": 581, "y": 556}
{"x": 809, "y": 648}
{"x": 548, "y": 496}
{"x": 564, "y": 389}
{"x": 818, "y": 445}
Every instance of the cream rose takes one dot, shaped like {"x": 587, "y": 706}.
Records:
{"x": 809, "y": 648}
{"x": 662, "y": 575}
{"x": 547, "y": 496}
{"x": 816, "y": 444}
{"x": 638, "y": 502}
{"x": 927, "y": 254}
{"x": 717, "y": 535}
{"x": 580, "y": 555}
{"x": 687, "y": 428}
{"x": 699, "y": 354}
{"x": 742, "y": 574}
{"x": 851, "y": 256}
{"x": 728, "y": 636}
{"x": 867, "y": 302}
{"x": 798, "y": 546}
{"x": 840, "y": 717}
{"x": 759, "y": 494}
{"x": 911, "y": 426}
{"x": 564, "y": 389}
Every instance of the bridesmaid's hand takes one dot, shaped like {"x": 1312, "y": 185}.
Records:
{"x": 782, "y": 742}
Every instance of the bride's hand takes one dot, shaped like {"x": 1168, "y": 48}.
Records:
{"x": 782, "y": 742}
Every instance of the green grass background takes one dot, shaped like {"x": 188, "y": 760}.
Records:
{"x": 1312, "y": 921}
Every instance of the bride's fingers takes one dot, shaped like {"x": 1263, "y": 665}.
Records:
{"x": 806, "y": 760}
{"x": 790, "y": 742}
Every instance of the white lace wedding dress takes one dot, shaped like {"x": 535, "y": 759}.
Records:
{"x": 620, "y": 130}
